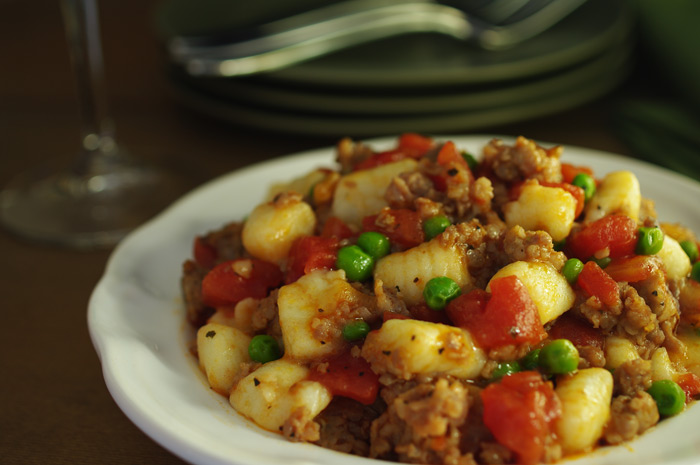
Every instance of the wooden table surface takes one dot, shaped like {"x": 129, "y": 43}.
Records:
{"x": 54, "y": 406}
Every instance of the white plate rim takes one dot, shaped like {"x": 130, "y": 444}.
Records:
{"x": 146, "y": 364}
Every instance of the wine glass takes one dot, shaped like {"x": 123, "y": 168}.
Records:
{"x": 104, "y": 193}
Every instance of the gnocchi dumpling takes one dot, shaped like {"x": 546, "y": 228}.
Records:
{"x": 617, "y": 193}
{"x": 361, "y": 193}
{"x": 675, "y": 261}
{"x": 307, "y": 306}
{"x": 222, "y": 349}
{"x": 585, "y": 402}
{"x": 619, "y": 350}
{"x": 274, "y": 392}
{"x": 549, "y": 290}
{"x": 549, "y": 209}
{"x": 272, "y": 227}
{"x": 406, "y": 348}
{"x": 407, "y": 272}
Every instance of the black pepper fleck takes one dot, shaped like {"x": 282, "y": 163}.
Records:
{"x": 256, "y": 381}
{"x": 211, "y": 334}
{"x": 386, "y": 352}
{"x": 441, "y": 350}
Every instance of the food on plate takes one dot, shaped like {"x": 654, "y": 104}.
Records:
{"x": 421, "y": 305}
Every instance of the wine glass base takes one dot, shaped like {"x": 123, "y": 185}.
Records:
{"x": 95, "y": 211}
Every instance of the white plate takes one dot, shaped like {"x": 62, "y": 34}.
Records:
{"x": 136, "y": 320}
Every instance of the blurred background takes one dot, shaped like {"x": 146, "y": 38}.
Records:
{"x": 614, "y": 75}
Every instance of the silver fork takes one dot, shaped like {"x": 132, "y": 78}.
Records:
{"x": 315, "y": 33}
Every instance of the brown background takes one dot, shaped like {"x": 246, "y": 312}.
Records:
{"x": 54, "y": 406}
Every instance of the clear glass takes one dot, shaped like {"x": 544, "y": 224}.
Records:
{"x": 104, "y": 193}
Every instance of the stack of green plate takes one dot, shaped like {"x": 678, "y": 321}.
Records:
{"x": 422, "y": 82}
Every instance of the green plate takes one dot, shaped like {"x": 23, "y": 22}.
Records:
{"x": 309, "y": 99}
{"x": 417, "y": 60}
{"x": 344, "y": 124}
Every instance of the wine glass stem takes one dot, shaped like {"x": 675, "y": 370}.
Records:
{"x": 81, "y": 20}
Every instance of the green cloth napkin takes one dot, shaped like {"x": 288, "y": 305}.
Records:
{"x": 662, "y": 132}
{"x": 666, "y": 130}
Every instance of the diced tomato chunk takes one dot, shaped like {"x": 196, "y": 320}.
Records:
{"x": 596, "y": 282}
{"x": 569, "y": 171}
{"x": 507, "y": 316}
{"x": 410, "y": 145}
{"x": 381, "y": 158}
{"x": 617, "y": 233}
{"x": 578, "y": 331}
{"x": 631, "y": 269}
{"x": 421, "y": 311}
{"x": 690, "y": 383}
{"x": 520, "y": 412}
{"x": 349, "y": 376}
{"x": 402, "y": 226}
{"x": 415, "y": 145}
{"x": 453, "y": 168}
{"x": 449, "y": 154}
{"x": 230, "y": 282}
{"x": 310, "y": 253}
{"x": 204, "y": 254}
{"x": 335, "y": 227}
{"x": 465, "y": 310}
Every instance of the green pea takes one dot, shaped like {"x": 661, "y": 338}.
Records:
{"x": 602, "y": 262}
{"x": 355, "y": 330}
{"x": 559, "y": 357}
{"x": 505, "y": 368}
{"x": 650, "y": 241}
{"x": 572, "y": 268}
{"x": 264, "y": 348}
{"x": 439, "y": 291}
{"x": 691, "y": 249}
{"x": 695, "y": 272}
{"x": 355, "y": 262}
{"x": 585, "y": 182}
{"x": 669, "y": 397}
{"x": 374, "y": 244}
{"x": 471, "y": 161}
{"x": 435, "y": 225}
{"x": 531, "y": 360}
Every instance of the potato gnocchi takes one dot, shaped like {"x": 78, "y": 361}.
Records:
{"x": 423, "y": 305}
